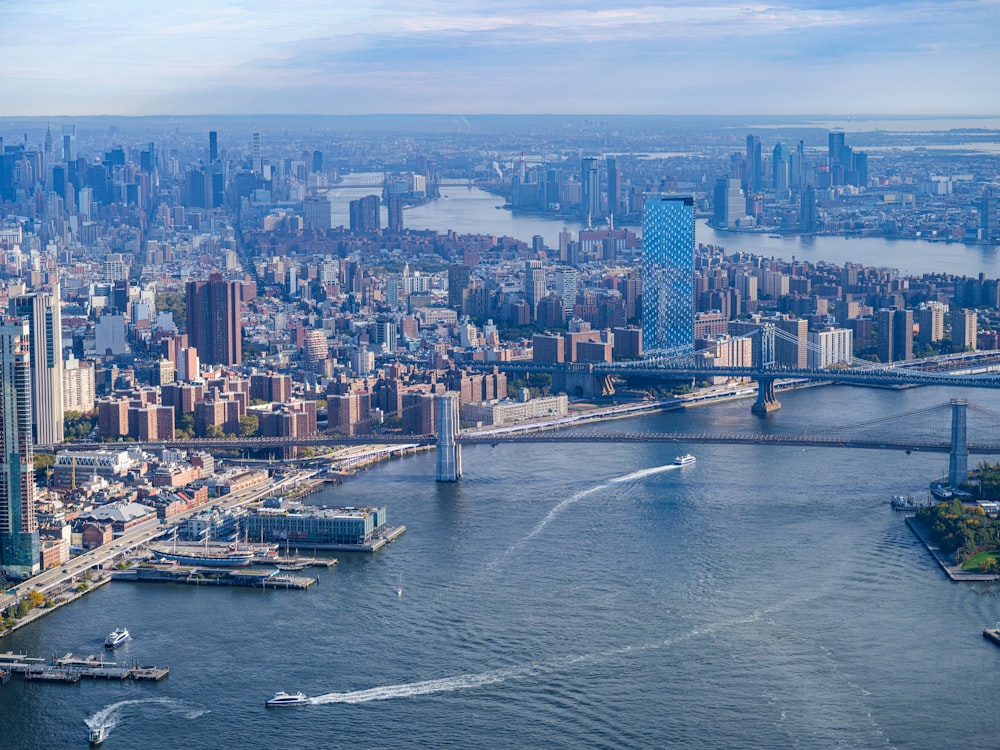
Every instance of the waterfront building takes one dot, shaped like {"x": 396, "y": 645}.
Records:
{"x": 214, "y": 321}
{"x": 395, "y": 213}
{"x": 507, "y": 411}
{"x": 19, "y": 546}
{"x": 989, "y": 214}
{"x": 42, "y": 311}
{"x": 316, "y": 527}
{"x": 730, "y": 203}
{"x": 668, "y": 272}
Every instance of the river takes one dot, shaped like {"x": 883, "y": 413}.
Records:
{"x": 475, "y": 212}
{"x": 584, "y": 596}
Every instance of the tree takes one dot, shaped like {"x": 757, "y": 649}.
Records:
{"x": 215, "y": 431}
{"x": 36, "y": 599}
{"x": 249, "y": 425}
{"x": 43, "y": 465}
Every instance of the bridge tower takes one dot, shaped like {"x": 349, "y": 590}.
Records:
{"x": 766, "y": 400}
{"x": 449, "y": 453}
{"x": 958, "y": 461}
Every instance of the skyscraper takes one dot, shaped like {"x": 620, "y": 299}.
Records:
{"x": 256, "y": 148}
{"x": 755, "y": 164}
{"x": 668, "y": 272}
{"x": 781, "y": 168}
{"x": 895, "y": 335}
{"x": 534, "y": 285}
{"x": 214, "y": 323}
{"x": 19, "y": 549}
{"x": 590, "y": 190}
{"x": 365, "y": 214}
{"x": 395, "y": 217}
{"x": 213, "y": 146}
{"x": 43, "y": 314}
{"x": 614, "y": 186}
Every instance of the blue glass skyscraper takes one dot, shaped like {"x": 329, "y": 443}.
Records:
{"x": 668, "y": 273}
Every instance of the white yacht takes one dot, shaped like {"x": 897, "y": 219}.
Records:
{"x": 686, "y": 460}
{"x": 117, "y": 637}
{"x": 281, "y": 698}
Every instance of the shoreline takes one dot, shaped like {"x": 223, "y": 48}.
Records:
{"x": 953, "y": 571}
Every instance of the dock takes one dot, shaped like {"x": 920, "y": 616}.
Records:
{"x": 268, "y": 579}
{"x": 71, "y": 669}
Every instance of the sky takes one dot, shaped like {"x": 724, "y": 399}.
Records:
{"x": 185, "y": 57}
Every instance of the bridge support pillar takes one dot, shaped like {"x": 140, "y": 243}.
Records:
{"x": 958, "y": 460}
{"x": 766, "y": 401}
{"x": 449, "y": 453}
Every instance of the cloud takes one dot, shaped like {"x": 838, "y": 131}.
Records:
{"x": 474, "y": 56}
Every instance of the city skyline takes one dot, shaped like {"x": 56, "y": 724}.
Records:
{"x": 307, "y": 57}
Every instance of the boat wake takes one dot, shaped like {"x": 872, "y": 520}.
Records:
{"x": 112, "y": 715}
{"x": 560, "y": 507}
{"x": 483, "y": 679}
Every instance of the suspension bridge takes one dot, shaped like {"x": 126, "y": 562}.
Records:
{"x": 727, "y": 359}
{"x": 942, "y": 428}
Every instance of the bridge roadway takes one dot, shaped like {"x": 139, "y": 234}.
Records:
{"x": 545, "y": 436}
{"x": 882, "y": 376}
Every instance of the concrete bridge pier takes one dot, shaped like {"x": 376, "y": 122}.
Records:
{"x": 449, "y": 453}
{"x": 766, "y": 401}
{"x": 958, "y": 459}
{"x": 580, "y": 381}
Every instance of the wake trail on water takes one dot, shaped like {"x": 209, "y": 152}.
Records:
{"x": 493, "y": 677}
{"x": 113, "y": 714}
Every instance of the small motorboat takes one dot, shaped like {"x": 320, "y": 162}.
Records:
{"x": 281, "y": 698}
{"x": 97, "y": 734}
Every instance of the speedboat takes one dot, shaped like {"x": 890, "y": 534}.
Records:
{"x": 117, "y": 637}
{"x": 684, "y": 460}
{"x": 97, "y": 734}
{"x": 281, "y": 698}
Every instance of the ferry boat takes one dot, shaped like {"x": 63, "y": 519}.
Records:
{"x": 686, "y": 460}
{"x": 117, "y": 637}
{"x": 281, "y": 698}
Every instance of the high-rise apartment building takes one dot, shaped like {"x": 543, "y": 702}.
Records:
{"x": 317, "y": 212}
{"x": 895, "y": 335}
{"x": 43, "y": 314}
{"x": 534, "y": 285}
{"x": 214, "y": 322}
{"x": 590, "y": 189}
{"x": 989, "y": 215}
{"x": 668, "y": 272}
{"x": 964, "y": 329}
{"x": 19, "y": 548}
{"x": 930, "y": 318}
{"x": 614, "y": 186}
{"x": 365, "y": 214}
{"x": 459, "y": 279}
{"x": 256, "y": 149}
{"x": 394, "y": 220}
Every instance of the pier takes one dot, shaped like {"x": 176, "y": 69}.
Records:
{"x": 71, "y": 669}
{"x": 270, "y": 579}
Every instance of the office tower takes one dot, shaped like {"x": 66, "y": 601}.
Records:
{"x": 43, "y": 314}
{"x": 729, "y": 203}
{"x": 590, "y": 190}
{"x": 964, "y": 330}
{"x": 69, "y": 143}
{"x": 895, "y": 335}
{"x": 317, "y": 161}
{"x": 807, "y": 210}
{"x": 755, "y": 165}
{"x": 781, "y": 168}
{"x": 834, "y": 148}
{"x": 19, "y": 548}
{"x": 395, "y": 219}
{"x": 989, "y": 215}
{"x": 255, "y": 150}
{"x": 213, "y": 146}
{"x": 861, "y": 168}
{"x": 317, "y": 212}
{"x": 214, "y": 322}
{"x": 365, "y": 214}
{"x": 459, "y": 278}
{"x": 534, "y": 285}
{"x": 614, "y": 186}
{"x": 668, "y": 272}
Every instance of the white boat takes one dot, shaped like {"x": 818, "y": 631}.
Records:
{"x": 686, "y": 460}
{"x": 117, "y": 637}
{"x": 281, "y": 698}
{"x": 97, "y": 734}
